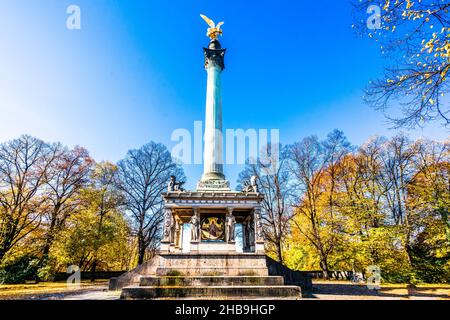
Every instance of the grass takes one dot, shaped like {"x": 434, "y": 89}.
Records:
{"x": 17, "y": 290}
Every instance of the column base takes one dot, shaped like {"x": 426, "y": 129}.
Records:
{"x": 213, "y": 185}
{"x": 259, "y": 247}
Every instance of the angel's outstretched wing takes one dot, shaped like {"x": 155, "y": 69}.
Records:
{"x": 208, "y": 21}
{"x": 220, "y": 24}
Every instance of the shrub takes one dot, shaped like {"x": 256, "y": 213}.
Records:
{"x": 20, "y": 270}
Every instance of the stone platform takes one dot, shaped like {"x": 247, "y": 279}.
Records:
{"x": 210, "y": 281}
{"x": 211, "y": 287}
{"x": 213, "y": 263}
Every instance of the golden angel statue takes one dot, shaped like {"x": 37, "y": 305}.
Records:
{"x": 214, "y": 30}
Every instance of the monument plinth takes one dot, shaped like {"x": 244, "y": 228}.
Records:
{"x": 209, "y": 244}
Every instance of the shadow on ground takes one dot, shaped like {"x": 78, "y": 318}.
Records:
{"x": 358, "y": 291}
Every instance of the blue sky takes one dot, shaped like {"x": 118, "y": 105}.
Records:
{"x": 134, "y": 72}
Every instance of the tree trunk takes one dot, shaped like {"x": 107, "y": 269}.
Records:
{"x": 2, "y": 254}
{"x": 324, "y": 267}
{"x": 280, "y": 251}
{"x": 141, "y": 248}
{"x": 49, "y": 239}
{"x": 93, "y": 270}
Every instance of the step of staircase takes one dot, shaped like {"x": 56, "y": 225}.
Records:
{"x": 211, "y": 281}
{"x": 200, "y": 292}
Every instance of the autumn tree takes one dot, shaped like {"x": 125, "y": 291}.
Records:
{"x": 313, "y": 221}
{"x": 65, "y": 178}
{"x": 335, "y": 148}
{"x": 274, "y": 182}
{"x": 362, "y": 203}
{"x": 82, "y": 243}
{"x": 143, "y": 175}
{"x": 24, "y": 164}
{"x": 398, "y": 160}
{"x": 429, "y": 201}
{"x": 369, "y": 237}
{"x": 415, "y": 36}
{"x": 104, "y": 199}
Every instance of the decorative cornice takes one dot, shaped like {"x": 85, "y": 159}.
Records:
{"x": 227, "y": 195}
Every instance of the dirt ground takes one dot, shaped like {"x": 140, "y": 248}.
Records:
{"x": 49, "y": 290}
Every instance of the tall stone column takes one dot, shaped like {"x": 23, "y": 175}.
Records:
{"x": 213, "y": 177}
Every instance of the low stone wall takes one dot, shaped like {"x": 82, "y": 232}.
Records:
{"x": 132, "y": 277}
{"x": 291, "y": 277}
{"x": 101, "y": 275}
{"x": 337, "y": 275}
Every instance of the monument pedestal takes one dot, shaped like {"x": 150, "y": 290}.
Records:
{"x": 208, "y": 264}
{"x": 211, "y": 287}
{"x": 211, "y": 218}
{"x": 218, "y": 263}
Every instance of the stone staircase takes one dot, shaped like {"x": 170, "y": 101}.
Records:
{"x": 211, "y": 287}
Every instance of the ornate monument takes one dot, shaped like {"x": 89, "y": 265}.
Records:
{"x": 201, "y": 227}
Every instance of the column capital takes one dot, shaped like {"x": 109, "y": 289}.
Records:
{"x": 215, "y": 57}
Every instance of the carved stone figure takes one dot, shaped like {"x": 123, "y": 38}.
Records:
{"x": 195, "y": 223}
{"x": 251, "y": 186}
{"x": 177, "y": 230}
{"x": 175, "y": 185}
{"x": 249, "y": 233}
{"x": 168, "y": 226}
{"x": 258, "y": 226}
{"x": 231, "y": 223}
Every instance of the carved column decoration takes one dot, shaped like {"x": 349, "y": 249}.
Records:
{"x": 259, "y": 233}
{"x": 249, "y": 233}
{"x": 177, "y": 232}
{"x": 230, "y": 226}
{"x": 168, "y": 226}
{"x": 195, "y": 226}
